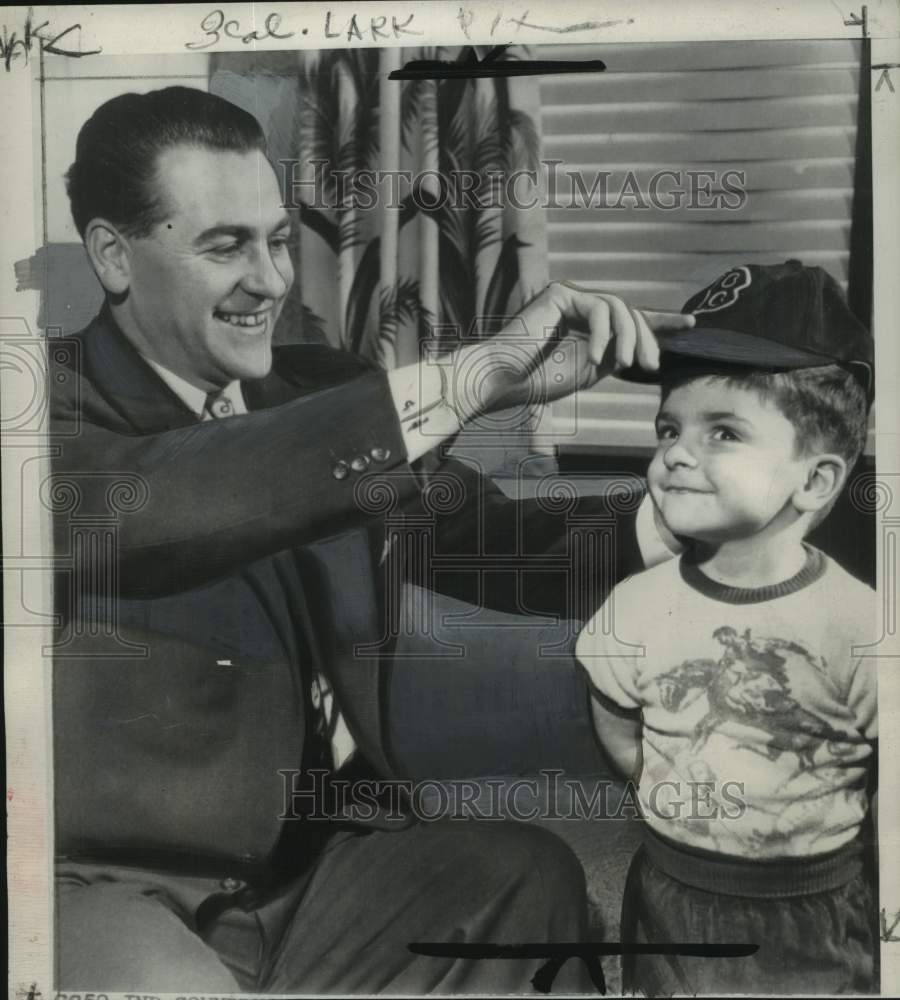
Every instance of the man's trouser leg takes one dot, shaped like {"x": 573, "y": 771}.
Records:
{"x": 346, "y": 927}
{"x": 451, "y": 882}
{"x": 125, "y": 933}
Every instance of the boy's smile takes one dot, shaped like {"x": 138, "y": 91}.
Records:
{"x": 726, "y": 463}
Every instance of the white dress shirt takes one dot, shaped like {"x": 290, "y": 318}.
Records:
{"x": 194, "y": 398}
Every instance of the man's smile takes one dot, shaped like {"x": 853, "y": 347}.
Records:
{"x": 250, "y": 321}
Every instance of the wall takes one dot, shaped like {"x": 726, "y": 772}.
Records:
{"x": 70, "y": 294}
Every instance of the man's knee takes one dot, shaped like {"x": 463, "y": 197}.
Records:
{"x": 527, "y": 860}
{"x": 111, "y": 936}
{"x": 553, "y": 862}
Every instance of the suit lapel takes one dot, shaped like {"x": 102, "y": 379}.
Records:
{"x": 128, "y": 383}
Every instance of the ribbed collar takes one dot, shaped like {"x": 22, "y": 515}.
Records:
{"x": 812, "y": 570}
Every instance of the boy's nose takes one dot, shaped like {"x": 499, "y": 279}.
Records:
{"x": 678, "y": 454}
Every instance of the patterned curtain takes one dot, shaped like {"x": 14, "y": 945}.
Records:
{"x": 406, "y": 232}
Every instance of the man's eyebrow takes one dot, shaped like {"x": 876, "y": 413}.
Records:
{"x": 238, "y": 232}
{"x": 214, "y": 232}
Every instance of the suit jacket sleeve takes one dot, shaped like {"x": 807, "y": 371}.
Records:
{"x": 196, "y": 502}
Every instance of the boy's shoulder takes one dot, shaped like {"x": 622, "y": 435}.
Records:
{"x": 844, "y": 597}
{"x": 660, "y": 578}
{"x": 836, "y": 574}
{"x": 630, "y": 601}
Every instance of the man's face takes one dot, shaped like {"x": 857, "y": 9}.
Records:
{"x": 726, "y": 462}
{"x": 207, "y": 284}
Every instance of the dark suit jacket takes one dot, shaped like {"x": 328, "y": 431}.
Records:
{"x": 204, "y": 568}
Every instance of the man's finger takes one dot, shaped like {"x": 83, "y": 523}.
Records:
{"x": 647, "y": 350}
{"x": 623, "y": 329}
{"x": 659, "y": 321}
{"x": 599, "y": 327}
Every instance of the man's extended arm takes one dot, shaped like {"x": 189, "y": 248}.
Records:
{"x": 212, "y": 497}
{"x": 197, "y": 502}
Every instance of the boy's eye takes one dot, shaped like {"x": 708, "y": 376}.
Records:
{"x": 724, "y": 434}
{"x": 279, "y": 242}
{"x": 665, "y": 432}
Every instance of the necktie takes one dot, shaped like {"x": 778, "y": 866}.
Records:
{"x": 218, "y": 405}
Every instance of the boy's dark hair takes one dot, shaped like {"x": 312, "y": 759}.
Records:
{"x": 827, "y": 406}
{"x": 114, "y": 173}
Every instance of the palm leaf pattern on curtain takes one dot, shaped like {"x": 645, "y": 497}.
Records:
{"x": 470, "y": 132}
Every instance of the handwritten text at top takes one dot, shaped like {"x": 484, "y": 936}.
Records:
{"x": 350, "y": 28}
{"x": 215, "y": 26}
{"x": 18, "y": 48}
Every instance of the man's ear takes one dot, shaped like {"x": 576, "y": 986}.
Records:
{"x": 825, "y": 478}
{"x": 109, "y": 253}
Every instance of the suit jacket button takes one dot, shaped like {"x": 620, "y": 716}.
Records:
{"x": 360, "y": 463}
{"x": 341, "y": 470}
{"x": 380, "y": 454}
{"x": 231, "y": 884}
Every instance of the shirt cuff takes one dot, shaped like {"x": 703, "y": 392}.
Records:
{"x": 426, "y": 418}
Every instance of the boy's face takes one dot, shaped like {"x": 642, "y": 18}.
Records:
{"x": 726, "y": 462}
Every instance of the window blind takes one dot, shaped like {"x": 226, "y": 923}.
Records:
{"x": 782, "y": 114}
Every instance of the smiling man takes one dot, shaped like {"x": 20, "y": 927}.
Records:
{"x": 213, "y": 275}
{"x": 216, "y": 286}
{"x": 217, "y": 578}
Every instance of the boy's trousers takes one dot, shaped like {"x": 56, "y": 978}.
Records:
{"x": 813, "y": 920}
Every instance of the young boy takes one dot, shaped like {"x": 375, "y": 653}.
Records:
{"x": 732, "y": 684}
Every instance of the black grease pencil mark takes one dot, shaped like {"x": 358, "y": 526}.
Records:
{"x": 556, "y": 955}
{"x": 567, "y": 29}
{"x": 491, "y": 65}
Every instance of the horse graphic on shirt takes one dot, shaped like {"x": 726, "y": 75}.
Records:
{"x": 749, "y": 685}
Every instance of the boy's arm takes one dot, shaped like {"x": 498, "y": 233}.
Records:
{"x": 611, "y": 666}
{"x": 619, "y": 733}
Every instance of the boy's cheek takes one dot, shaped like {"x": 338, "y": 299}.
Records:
{"x": 654, "y": 472}
{"x": 656, "y": 494}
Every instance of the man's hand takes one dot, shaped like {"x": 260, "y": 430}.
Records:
{"x": 565, "y": 339}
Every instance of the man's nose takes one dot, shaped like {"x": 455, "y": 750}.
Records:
{"x": 265, "y": 277}
{"x": 679, "y": 453}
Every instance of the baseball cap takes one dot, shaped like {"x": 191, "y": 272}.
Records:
{"x": 773, "y": 317}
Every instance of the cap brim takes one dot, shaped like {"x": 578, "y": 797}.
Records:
{"x": 711, "y": 346}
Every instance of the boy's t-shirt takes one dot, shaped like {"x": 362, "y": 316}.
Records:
{"x": 757, "y": 710}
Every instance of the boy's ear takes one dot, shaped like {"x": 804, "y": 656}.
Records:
{"x": 109, "y": 253}
{"x": 825, "y": 478}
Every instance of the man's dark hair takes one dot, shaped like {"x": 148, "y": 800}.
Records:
{"x": 827, "y": 406}
{"x": 116, "y": 157}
